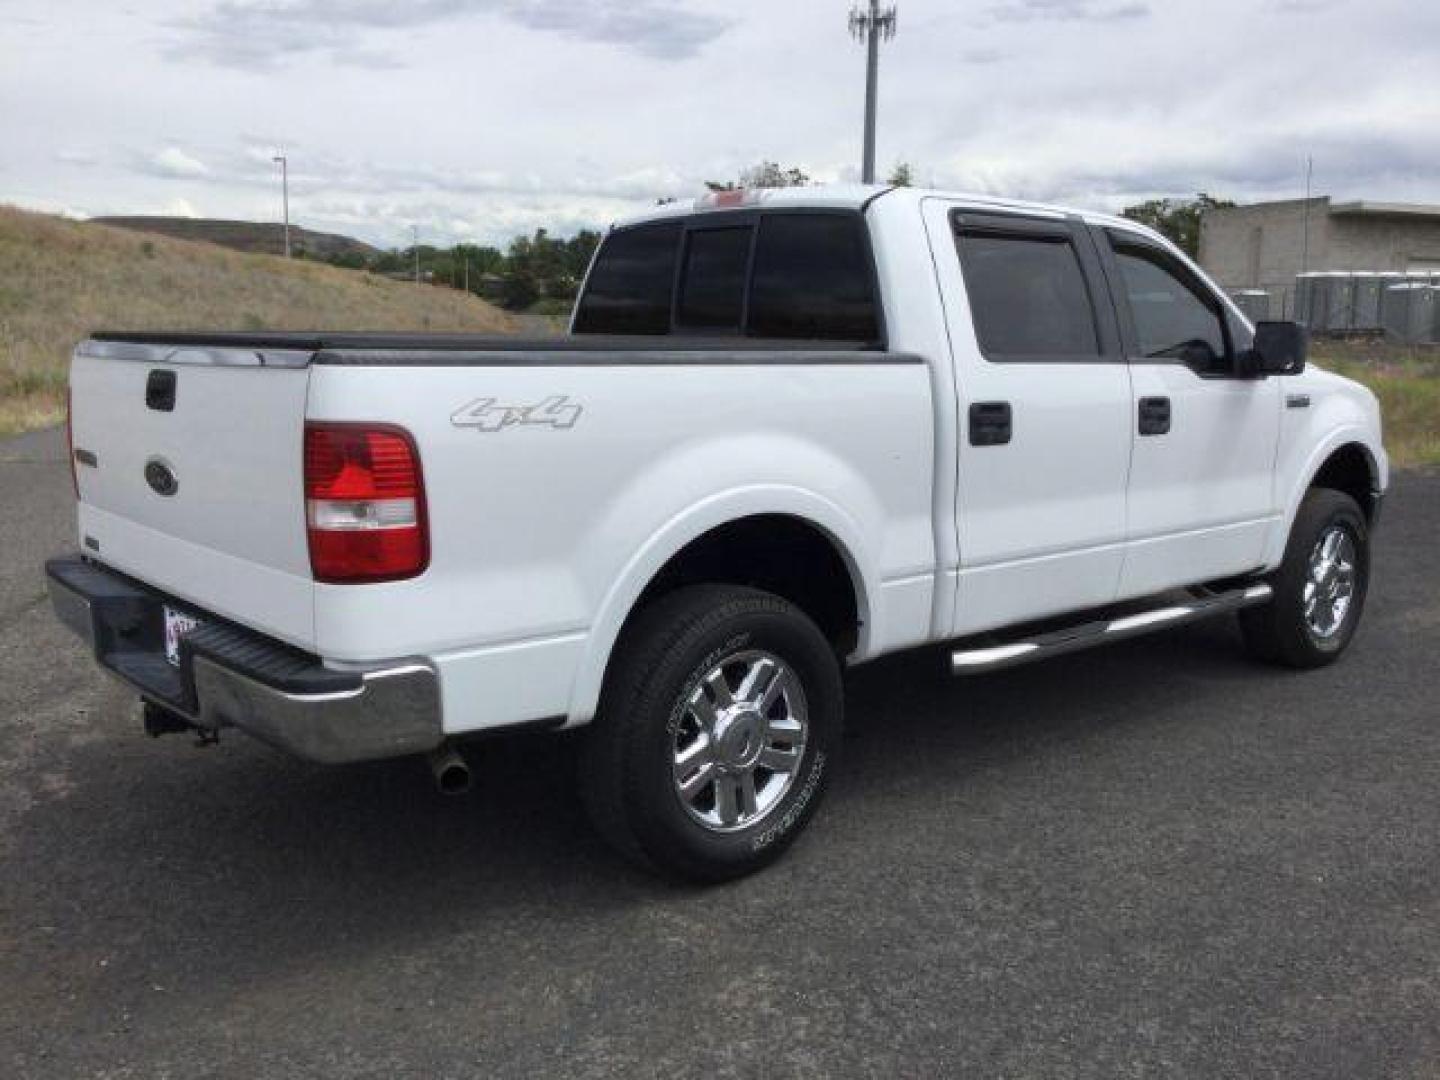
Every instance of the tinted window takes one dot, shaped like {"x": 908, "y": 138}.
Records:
{"x": 630, "y": 286}
{"x": 812, "y": 280}
{"x": 1172, "y": 317}
{"x": 1028, "y": 297}
{"x": 712, "y": 292}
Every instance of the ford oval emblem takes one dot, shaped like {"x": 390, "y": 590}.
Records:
{"x": 161, "y": 477}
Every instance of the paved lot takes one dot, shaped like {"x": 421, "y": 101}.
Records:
{"x": 1152, "y": 860}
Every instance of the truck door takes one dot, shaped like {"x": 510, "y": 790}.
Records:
{"x": 1201, "y": 502}
{"x": 1044, "y": 414}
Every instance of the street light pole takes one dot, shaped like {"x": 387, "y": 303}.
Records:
{"x": 284, "y": 163}
{"x": 870, "y": 26}
{"x": 415, "y": 246}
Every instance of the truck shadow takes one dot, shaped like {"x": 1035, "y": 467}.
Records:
{"x": 238, "y": 859}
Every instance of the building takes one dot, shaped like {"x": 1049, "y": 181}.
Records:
{"x": 1264, "y": 246}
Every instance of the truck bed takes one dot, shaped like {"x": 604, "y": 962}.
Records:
{"x": 333, "y": 347}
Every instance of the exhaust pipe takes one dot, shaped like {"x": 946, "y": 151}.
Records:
{"x": 452, "y": 775}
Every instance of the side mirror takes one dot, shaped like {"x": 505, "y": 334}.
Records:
{"x": 1279, "y": 349}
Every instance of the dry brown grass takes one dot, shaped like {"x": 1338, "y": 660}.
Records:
{"x": 61, "y": 279}
{"x": 1406, "y": 379}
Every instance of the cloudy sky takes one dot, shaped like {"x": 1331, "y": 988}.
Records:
{"x": 479, "y": 119}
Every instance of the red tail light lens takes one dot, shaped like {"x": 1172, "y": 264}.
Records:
{"x": 364, "y": 503}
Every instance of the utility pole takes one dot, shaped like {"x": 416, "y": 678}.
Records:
{"x": 415, "y": 247}
{"x": 871, "y": 25}
{"x": 284, "y": 163}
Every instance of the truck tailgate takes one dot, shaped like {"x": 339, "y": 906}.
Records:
{"x": 188, "y": 462}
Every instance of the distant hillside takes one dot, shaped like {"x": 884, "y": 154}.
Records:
{"x": 60, "y": 279}
{"x": 260, "y": 237}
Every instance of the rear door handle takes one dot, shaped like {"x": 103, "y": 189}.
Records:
{"x": 160, "y": 390}
{"x": 1154, "y": 416}
{"x": 990, "y": 423}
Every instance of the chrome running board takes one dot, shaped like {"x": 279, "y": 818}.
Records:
{"x": 1085, "y": 635}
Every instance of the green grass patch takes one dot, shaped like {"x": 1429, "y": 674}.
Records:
{"x": 1407, "y": 382}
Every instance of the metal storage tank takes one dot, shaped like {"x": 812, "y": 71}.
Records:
{"x": 1387, "y": 281}
{"x": 1255, "y": 303}
{"x": 1411, "y": 312}
{"x": 1367, "y": 288}
{"x": 1369, "y": 292}
{"x": 1342, "y": 303}
{"x": 1309, "y": 300}
{"x": 1425, "y": 313}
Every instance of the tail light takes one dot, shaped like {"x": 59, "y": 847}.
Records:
{"x": 70, "y": 438}
{"x": 364, "y": 503}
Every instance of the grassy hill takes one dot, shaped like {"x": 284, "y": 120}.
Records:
{"x": 60, "y": 279}
{"x": 258, "y": 237}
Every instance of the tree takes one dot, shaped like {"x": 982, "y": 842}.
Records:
{"x": 767, "y": 174}
{"x": 539, "y": 267}
{"x": 1177, "y": 219}
{"x": 903, "y": 175}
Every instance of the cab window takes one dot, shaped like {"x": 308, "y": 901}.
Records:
{"x": 630, "y": 288}
{"x": 1173, "y": 315}
{"x": 777, "y": 274}
{"x": 1028, "y": 296}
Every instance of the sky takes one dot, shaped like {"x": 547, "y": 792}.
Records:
{"x": 476, "y": 120}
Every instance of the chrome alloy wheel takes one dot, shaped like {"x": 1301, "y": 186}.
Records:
{"x": 1330, "y": 583}
{"x": 740, "y": 741}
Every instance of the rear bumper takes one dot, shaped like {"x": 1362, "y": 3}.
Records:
{"x": 231, "y": 677}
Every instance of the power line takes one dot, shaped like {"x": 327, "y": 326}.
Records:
{"x": 871, "y": 26}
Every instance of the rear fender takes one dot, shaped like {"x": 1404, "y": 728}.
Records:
{"x": 690, "y": 525}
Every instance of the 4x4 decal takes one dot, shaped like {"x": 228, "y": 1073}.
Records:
{"x": 484, "y": 414}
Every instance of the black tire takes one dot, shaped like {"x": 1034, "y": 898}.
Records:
{"x": 1278, "y": 632}
{"x": 659, "y": 665}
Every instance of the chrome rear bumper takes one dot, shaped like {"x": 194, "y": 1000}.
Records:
{"x": 231, "y": 677}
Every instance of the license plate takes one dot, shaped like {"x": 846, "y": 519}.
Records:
{"x": 177, "y": 625}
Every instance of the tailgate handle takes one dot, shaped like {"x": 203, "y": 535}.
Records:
{"x": 160, "y": 390}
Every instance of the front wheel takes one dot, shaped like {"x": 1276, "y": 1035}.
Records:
{"x": 1320, "y": 587}
{"x": 716, "y": 734}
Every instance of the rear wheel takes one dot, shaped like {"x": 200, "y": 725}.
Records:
{"x": 1320, "y": 587}
{"x": 716, "y": 734}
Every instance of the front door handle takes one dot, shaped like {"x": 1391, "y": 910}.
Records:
{"x": 990, "y": 423}
{"x": 1154, "y": 416}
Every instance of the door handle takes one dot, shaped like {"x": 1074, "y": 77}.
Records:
{"x": 990, "y": 423}
{"x": 160, "y": 390}
{"x": 1154, "y": 416}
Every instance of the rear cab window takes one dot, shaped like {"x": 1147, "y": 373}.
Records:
{"x": 631, "y": 285}
{"x": 793, "y": 274}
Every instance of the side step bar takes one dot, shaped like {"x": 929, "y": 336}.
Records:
{"x": 1103, "y": 631}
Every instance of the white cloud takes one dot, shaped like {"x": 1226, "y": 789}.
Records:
{"x": 269, "y": 33}
{"x": 172, "y": 161}
{"x": 180, "y": 208}
{"x": 488, "y": 118}
{"x": 74, "y": 156}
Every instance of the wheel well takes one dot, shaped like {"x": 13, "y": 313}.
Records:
{"x": 1349, "y": 470}
{"x": 782, "y": 555}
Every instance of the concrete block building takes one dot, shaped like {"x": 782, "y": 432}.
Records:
{"x": 1264, "y": 246}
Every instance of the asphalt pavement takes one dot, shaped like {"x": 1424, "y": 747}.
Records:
{"x": 1156, "y": 859}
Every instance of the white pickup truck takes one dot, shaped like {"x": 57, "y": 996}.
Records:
{"x": 789, "y": 431}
